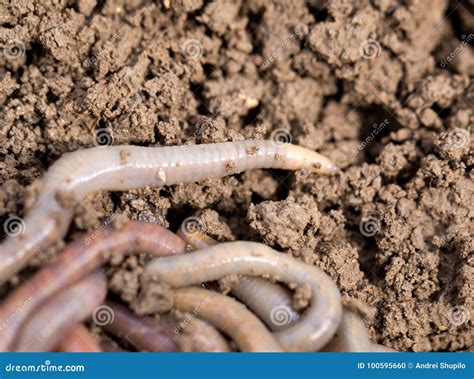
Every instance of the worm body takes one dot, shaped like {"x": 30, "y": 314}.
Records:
{"x": 261, "y": 296}
{"x": 201, "y": 336}
{"x": 45, "y": 329}
{"x": 352, "y": 336}
{"x": 147, "y": 334}
{"x": 267, "y": 300}
{"x": 319, "y": 322}
{"x": 140, "y": 332}
{"x": 80, "y": 340}
{"x": 76, "y": 260}
{"x": 229, "y": 316}
{"x": 129, "y": 167}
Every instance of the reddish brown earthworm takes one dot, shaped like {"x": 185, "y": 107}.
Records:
{"x": 128, "y": 167}
{"x": 80, "y": 340}
{"x": 76, "y": 260}
{"x": 44, "y": 330}
{"x": 265, "y": 298}
{"x": 147, "y": 334}
{"x": 229, "y": 316}
{"x": 319, "y": 322}
{"x": 140, "y": 332}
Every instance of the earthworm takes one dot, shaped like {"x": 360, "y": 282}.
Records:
{"x": 80, "y": 340}
{"x": 44, "y": 330}
{"x": 271, "y": 296}
{"x": 200, "y": 336}
{"x": 352, "y": 336}
{"x": 126, "y": 167}
{"x": 140, "y": 332}
{"x": 76, "y": 260}
{"x": 147, "y": 334}
{"x": 227, "y": 315}
{"x": 317, "y": 325}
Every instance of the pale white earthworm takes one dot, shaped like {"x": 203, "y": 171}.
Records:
{"x": 46, "y": 328}
{"x": 229, "y": 316}
{"x": 128, "y": 167}
{"x": 318, "y": 324}
{"x": 270, "y": 301}
{"x": 352, "y": 336}
{"x": 199, "y": 336}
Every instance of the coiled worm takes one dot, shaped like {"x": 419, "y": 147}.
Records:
{"x": 129, "y": 167}
{"x": 78, "y": 259}
{"x": 319, "y": 322}
{"x": 80, "y": 340}
{"x": 263, "y": 297}
{"x": 351, "y": 335}
{"x": 229, "y": 316}
{"x": 45, "y": 329}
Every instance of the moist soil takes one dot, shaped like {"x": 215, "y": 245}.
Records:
{"x": 384, "y": 88}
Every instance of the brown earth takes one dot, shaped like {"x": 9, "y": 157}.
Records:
{"x": 384, "y": 88}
